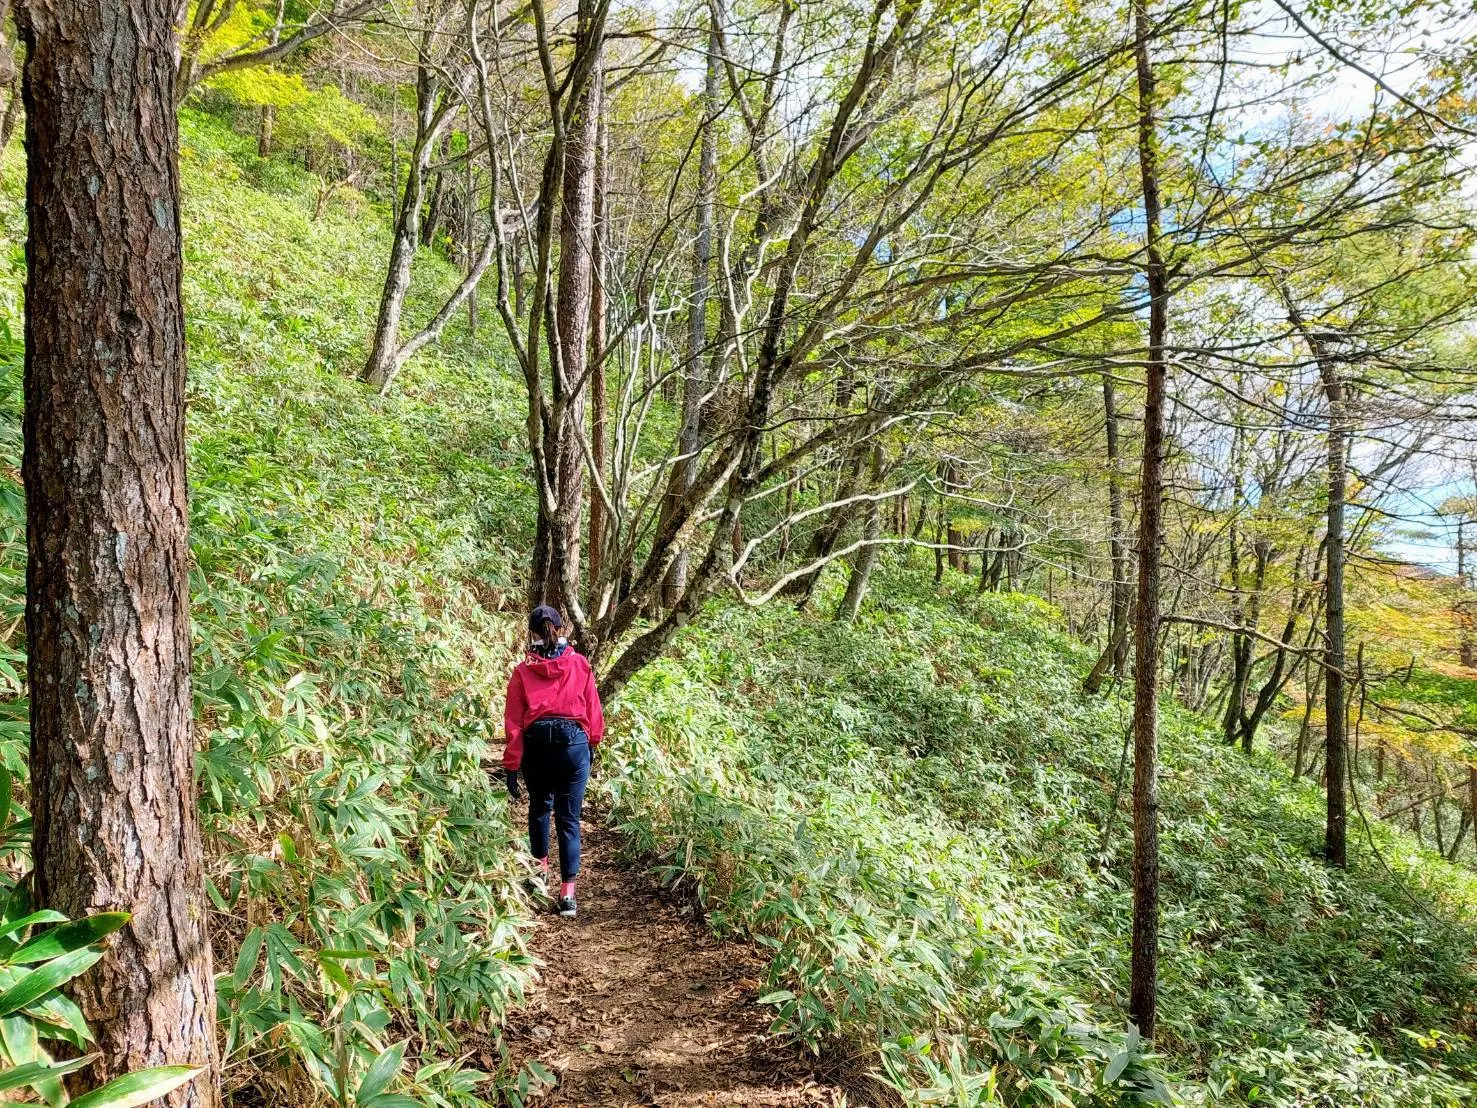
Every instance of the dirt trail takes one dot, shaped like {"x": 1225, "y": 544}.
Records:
{"x": 639, "y": 1005}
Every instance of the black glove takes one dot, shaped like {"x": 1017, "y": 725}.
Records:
{"x": 514, "y": 790}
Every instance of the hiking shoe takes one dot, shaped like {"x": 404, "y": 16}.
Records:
{"x": 567, "y": 907}
{"x": 536, "y": 887}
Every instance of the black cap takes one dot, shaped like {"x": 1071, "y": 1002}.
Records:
{"x": 543, "y": 614}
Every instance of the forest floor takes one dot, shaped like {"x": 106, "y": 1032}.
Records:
{"x": 638, "y": 1003}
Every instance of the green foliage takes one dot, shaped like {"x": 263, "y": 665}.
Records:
{"x": 349, "y": 558}
{"x": 915, "y": 815}
{"x": 911, "y": 814}
{"x": 344, "y": 548}
{"x": 40, "y": 952}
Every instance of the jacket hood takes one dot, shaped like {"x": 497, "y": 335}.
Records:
{"x": 538, "y": 662}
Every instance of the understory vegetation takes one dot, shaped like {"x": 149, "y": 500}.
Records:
{"x": 368, "y": 925}
{"x": 921, "y": 815}
{"x": 917, "y": 814}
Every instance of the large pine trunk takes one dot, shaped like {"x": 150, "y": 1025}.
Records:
{"x": 1143, "y": 984}
{"x": 107, "y": 614}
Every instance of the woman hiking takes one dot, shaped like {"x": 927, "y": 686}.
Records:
{"x": 552, "y": 719}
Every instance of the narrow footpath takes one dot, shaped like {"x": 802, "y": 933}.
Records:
{"x": 638, "y": 1004}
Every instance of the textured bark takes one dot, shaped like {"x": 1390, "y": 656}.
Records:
{"x": 694, "y": 384}
{"x": 572, "y": 308}
{"x": 383, "y": 363}
{"x": 107, "y": 614}
{"x": 12, "y": 112}
{"x": 1472, "y": 799}
{"x": 599, "y": 399}
{"x": 433, "y": 113}
{"x": 1143, "y": 985}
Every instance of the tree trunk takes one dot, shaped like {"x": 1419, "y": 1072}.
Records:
{"x": 107, "y": 613}
{"x": 949, "y": 474}
{"x": 384, "y": 361}
{"x": 695, "y": 384}
{"x": 572, "y": 308}
{"x": 825, "y": 538}
{"x": 469, "y": 193}
{"x": 598, "y": 397}
{"x": 1335, "y": 846}
{"x": 1472, "y": 797}
{"x": 436, "y": 205}
{"x": 938, "y": 547}
{"x": 1463, "y": 827}
{"x": 268, "y": 118}
{"x": 866, "y": 557}
{"x": 12, "y": 113}
{"x": 1122, "y": 599}
{"x": 1143, "y": 988}
{"x": 1468, "y": 650}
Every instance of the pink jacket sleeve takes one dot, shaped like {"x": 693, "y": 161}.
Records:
{"x": 596, "y": 728}
{"x": 514, "y": 709}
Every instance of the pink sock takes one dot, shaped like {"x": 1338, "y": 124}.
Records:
{"x": 543, "y": 866}
{"x": 566, "y": 888}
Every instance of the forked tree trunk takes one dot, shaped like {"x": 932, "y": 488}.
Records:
{"x": 107, "y": 612}
{"x": 384, "y": 361}
{"x": 1143, "y": 986}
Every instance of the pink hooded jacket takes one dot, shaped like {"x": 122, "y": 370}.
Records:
{"x": 540, "y": 687}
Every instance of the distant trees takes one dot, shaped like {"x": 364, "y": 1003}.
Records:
{"x": 787, "y": 284}
{"x": 224, "y": 36}
{"x": 904, "y": 276}
{"x": 107, "y": 612}
{"x": 451, "y": 76}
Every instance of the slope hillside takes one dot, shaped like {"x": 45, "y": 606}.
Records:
{"x": 914, "y": 817}
{"x": 917, "y": 815}
{"x": 350, "y": 554}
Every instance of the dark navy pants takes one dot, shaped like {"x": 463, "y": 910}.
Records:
{"x": 556, "y": 767}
